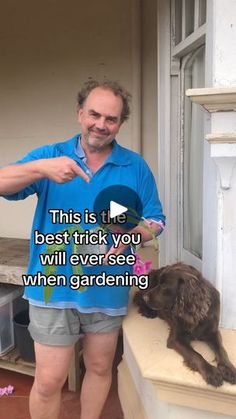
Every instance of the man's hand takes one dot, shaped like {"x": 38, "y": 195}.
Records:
{"x": 16, "y": 177}
{"x": 115, "y": 251}
{"x": 61, "y": 169}
{"x": 154, "y": 228}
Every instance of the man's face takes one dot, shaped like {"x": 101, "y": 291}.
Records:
{"x": 100, "y": 118}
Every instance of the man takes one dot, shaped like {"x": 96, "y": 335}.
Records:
{"x": 69, "y": 175}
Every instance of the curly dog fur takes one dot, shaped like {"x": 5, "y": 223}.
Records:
{"x": 191, "y": 305}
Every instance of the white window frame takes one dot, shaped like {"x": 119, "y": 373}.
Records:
{"x": 170, "y": 139}
{"x": 184, "y": 254}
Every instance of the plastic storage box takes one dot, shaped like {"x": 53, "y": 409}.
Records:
{"x": 7, "y": 295}
{"x": 24, "y": 341}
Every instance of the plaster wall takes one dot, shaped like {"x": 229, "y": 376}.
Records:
{"x": 48, "y": 50}
{"x": 224, "y": 61}
{"x": 219, "y": 233}
{"x": 149, "y": 83}
{"x": 229, "y": 248}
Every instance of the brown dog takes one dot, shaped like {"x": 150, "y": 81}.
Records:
{"x": 191, "y": 305}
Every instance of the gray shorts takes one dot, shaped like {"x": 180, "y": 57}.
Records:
{"x": 56, "y": 326}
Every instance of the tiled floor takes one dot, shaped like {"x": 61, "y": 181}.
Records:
{"x": 15, "y": 406}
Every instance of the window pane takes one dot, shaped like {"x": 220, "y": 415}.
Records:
{"x": 178, "y": 21}
{"x": 189, "y": 17}
{"x": 202, "y": 12}
{"x": 193, "y": 157}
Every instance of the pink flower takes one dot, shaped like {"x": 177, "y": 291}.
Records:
{"x": 147, "y": 265}
{"x": 140, "y": 268}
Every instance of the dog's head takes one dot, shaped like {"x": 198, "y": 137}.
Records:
{"x": 181, "y": 291}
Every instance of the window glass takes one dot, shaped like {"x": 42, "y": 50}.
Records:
{"x": 178, "y": 21}
{"x": 193, "y": 156}
{"x": 189, "y": 17}
{"x": 202, "y": 12}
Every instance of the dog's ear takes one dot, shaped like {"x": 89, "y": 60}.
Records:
{"x": 138, "y": 299}
{"x": 154, "y": 278}
{"x": 193, "y": 298}
{"x": 153, "y": 281}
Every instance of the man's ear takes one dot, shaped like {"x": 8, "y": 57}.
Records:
{"x": 79, "y": 114}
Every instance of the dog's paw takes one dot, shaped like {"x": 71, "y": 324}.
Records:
{"x": 228, "y": 373}
{"x": 148, "y": 312}
{"x": 213, "y": 376}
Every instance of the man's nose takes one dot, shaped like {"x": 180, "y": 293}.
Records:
{"x": 101, "y": 123}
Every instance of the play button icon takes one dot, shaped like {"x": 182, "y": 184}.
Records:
{"x": 116, "y": 209}
{"x": 118, "y": 205}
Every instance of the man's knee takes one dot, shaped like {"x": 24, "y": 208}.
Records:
{"x": 99, "y": 367}
{"x": 47, "y": 386}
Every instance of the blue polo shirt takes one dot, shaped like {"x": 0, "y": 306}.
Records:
{"x": 122, "y": 167}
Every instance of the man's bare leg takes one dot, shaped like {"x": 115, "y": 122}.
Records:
{"x": 52, "y": 366}
{"x": 98, "y": 352}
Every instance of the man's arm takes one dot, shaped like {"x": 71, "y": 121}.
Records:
{"x": 154, "y": 228}
{"x": 16, "y": 177}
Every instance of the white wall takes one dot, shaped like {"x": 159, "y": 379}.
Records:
{"x": 47, "y": 50}
{"x": 149, "y": 83}
{"x": 219, "y": 233}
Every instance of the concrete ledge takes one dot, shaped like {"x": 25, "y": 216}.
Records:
{"x": 131, "y": 402}
{"x": 214, "y": 99}
{"x": 221, "y": 138}
{"x": 145, "y": 348}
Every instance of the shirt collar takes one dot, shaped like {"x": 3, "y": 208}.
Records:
{"x": 119, "y": 156}
{"x": 79, "y": 149}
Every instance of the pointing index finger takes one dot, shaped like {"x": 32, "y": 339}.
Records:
{"x": 80, "y": 172}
